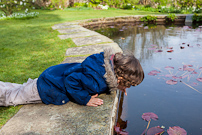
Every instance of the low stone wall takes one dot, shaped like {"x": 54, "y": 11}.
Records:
{"x": 161, "y": 19}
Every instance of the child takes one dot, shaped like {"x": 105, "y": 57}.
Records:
{"x": 79, "y": 82}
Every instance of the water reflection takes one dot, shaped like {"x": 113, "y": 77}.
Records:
{"x": 176, "y": 105}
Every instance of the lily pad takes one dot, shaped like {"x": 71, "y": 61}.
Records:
{"x": 171, "y": 82}
{"x": 176, "y": 130}
{"x": 155, "y": 130}
{"x": 149, "y": 115}
{"x": 199, "y": 79}
{"x": 170, "y": 50}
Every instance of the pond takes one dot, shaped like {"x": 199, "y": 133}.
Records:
{"x": 172, "y": 61}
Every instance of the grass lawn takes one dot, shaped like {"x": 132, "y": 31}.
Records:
{"x": 28, "y": 47}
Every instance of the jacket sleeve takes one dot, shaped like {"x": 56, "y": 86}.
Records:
{"x": 80, "y": 86}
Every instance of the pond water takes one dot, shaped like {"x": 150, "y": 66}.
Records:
{"x": 176, "y": 53}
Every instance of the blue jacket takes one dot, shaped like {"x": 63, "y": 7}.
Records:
{"x": 74, "y": 81}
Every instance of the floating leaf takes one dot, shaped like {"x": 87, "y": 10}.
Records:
{"x": 153, "y": 72}
{"x": 171, "y": 82}
{"x": 194, "y": 72}
{"x": 183, "y": 43}
{"x": 176, "y": 130}
{"x": 149, "y": 115}
{"x": 159, "y": 50}
{"x": 199, "y": 79}
{"x": 170, "y": 50}
{"x": 181, "y": 47}
{"x": 194, "y": 84}
{"x": 155, "y": 130}
{"x": 169, "y": 67}
{"x": 200, "y": 68}
{"x": 119, "y": 131}
{"x": 117, "y": 128}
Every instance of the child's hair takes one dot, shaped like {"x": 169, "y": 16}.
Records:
{"x": 129, "y": 68}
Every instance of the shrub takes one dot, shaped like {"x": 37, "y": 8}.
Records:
{"x": 11, "y": 6}
{"x": 197, "y": 18}
{"x": 149, "y": 19}
{"x": 171, "y": 17}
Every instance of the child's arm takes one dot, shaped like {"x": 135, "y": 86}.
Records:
{"x": 95, "y": 101}
{"x": 80, "y": 86}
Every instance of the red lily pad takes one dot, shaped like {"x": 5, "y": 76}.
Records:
{"x": 189, "y": 69}
{"x": 171, "y": 82}
{"x": 159, "y": 50}
{"x": 119, "y": 131}
{"x": 176, "y": 130}
{"x": 155, "y": 130}
{"x": 170, "y": 50}
{"x": 169, "y": 67}
{"x": 199, "y": 79}
{"x": 194, "y": 84}
{"x": 149, "y": 115}
{"x": 194, "y": 72}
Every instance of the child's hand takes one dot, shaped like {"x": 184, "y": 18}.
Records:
{"x": 95, "y": 101}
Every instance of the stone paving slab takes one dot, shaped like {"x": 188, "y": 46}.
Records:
{"x": 65, "y": 26}
{"x": 91, "y": 49}
{"x": 74, "y": 59}
{"x": 79, "y": 29}
{"x": 68, "y": 119}
{"x": 91, "y": 40}
{"x": 78, "y": 34}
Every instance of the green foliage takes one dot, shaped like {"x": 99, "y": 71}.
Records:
{"x": 58, "y": 4}
{"x": 149, "y": 19}
{"x": 127, "y": 6}
{"x": 197, "y": 18}
{"x": 171, "y": 17}
{"x": 78, "y": 4}
{"x": 11, "y": 6}
{"x": 19, "y": 16}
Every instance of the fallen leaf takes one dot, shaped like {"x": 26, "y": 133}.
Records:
{"x": 155, "y": 130}
{"x": 194, "y": 72}
{"x": 171, "y": 82}
{"x": 176, "y": 130}
{"x": 181, "y": 47}
{"x": 159, "y": 50}
{"x": 169, "y": 67}
{"x": 149, "y": 115}
{"x": 170, "y": 50}
{"x": 183, "y": 43}
{"x": 199, "y": 79}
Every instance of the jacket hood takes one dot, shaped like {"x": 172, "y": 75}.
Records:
{"x": 110, "y": 75}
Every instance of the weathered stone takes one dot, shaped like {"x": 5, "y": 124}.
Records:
{"x": 65, "y": 26}
{"x": 79, "y": 29}
{"x": 78, "y": 34}
{"x": 91, "y": 40}
{"x": 68, "y": 119}
{"x": 74, "y": 59}
{"x": 91, "y": 49}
